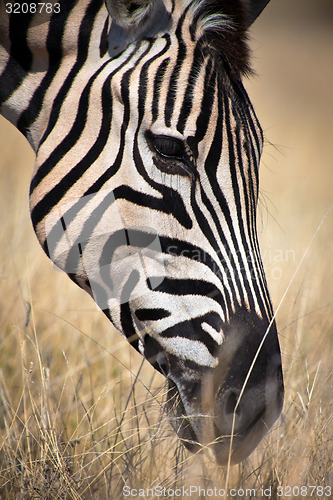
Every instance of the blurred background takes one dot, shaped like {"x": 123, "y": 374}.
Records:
{"x": 292, "y": 92}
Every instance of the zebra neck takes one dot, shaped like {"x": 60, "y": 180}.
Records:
{"x": 41, "y": 53}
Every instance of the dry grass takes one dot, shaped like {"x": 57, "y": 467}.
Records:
{"x": 80, "y": 415}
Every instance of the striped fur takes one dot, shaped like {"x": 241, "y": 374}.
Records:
{"x": 145, "y": 191}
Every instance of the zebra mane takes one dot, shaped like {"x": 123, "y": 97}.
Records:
{"x": 224, "y": 26}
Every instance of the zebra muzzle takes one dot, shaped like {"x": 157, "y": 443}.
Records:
{"x": 230, "y": 408}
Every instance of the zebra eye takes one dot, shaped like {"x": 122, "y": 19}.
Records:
{"x": 168, "y": 147}
{"x": 172, "y": 157}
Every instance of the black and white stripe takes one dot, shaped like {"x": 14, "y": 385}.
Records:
{"x": 145, "y": 192}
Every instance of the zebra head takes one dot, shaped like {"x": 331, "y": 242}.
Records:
{"x": 163, "y": 232}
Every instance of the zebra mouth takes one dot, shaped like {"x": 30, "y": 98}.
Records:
{"x": 239, "y": 446}
{"x": 220, "y": 442}
{"x": 230, "y": 435}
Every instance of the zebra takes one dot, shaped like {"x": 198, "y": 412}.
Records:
{"x": 145, "y": 192}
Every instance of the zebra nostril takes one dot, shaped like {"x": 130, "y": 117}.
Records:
{"x": 230, "y": 404}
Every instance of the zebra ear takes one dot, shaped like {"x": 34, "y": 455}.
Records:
{"x": 133, "y": 20}
{"x": 129, "y": 14}
{"x": 254, "y": 8}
